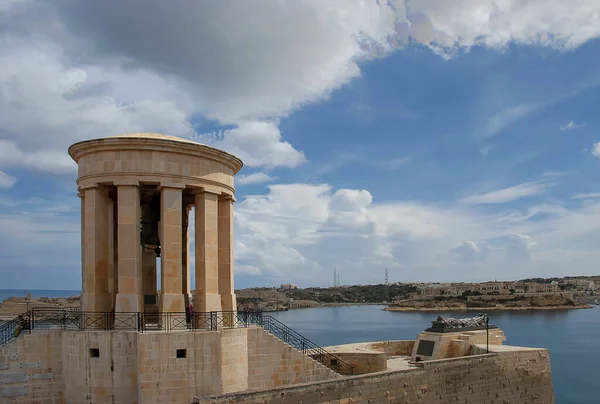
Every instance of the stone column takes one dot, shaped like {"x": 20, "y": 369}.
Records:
{"x": 206, "y": 295}
{"x": 95, "y": 251}
{"x": 111, "y": 252}
{"x": 171, "y": 248}
{"x": 228, "y": 300}
{"x": 129, "y": 265}
{"x": 84, "y": 287}
{"x": 185, "y": 255}
{"x": 115, "y": 256}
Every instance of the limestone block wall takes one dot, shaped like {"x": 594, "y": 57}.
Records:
{"x": 394, "y": 348}
{"x": 166, "y": 378}
{"x": 364, "y": 361}
{"x": 369, "y": 357}
{"x": 272, "y": 363}
{"x": 503, "y": 377}
{"x": 97, "y": 379}
{"x": 456, "y": 344}
{"x": 34, "y": 365}
{"x": 234, "y": 360}
{"x": 55, "y": 366}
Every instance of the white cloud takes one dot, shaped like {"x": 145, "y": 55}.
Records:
{"x": 416, "y": 241}
{"x": 466, "y": 23}
{"x": 572, "y": 125}
{"x": 254, "y": 178}
{"x": 398, "y": 162}
{"x": 6, "y": 181}
{"x": 91, "y": 69}
{"x": 509, "y": 115}
{"x": 55, "y": 161}
{"x": 596, "y": 149}
{"x": 590, "y": 195}
{"x": 257, "y": 144}
{"x": 266, "y": 58}
{"x": 520, "y": 191}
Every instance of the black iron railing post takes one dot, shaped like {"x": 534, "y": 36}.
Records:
{"x": 30, "y": 320}
{"x": 487, "y": 333}
{"x": 213, "y": 320}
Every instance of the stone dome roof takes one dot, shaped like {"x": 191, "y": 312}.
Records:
{"x": 148, "y": 139}
{"x": 149, "y": 135}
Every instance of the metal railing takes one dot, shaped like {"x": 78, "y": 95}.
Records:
{"x": 11, "y": 329}
{"x": 76, "y": 320}
{"x": 137, "y": 321}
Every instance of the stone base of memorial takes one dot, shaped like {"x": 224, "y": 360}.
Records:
{"x": 452, "y": 338}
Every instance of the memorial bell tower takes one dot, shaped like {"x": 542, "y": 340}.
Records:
{"x": 137, "y": 194}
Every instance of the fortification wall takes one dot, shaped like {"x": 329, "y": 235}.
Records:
{"x": 55, "y": 366}
{"x": 500, "y": 377}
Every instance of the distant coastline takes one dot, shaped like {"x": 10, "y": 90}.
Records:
{"x": 484, "y": 309}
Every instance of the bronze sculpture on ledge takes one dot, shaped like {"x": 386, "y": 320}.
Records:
{"x": 443, "y": 324}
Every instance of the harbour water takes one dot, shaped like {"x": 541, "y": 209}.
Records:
{"x": 571, "y": 336}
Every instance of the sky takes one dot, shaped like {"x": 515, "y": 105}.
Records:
{"x": 442, "y": 141}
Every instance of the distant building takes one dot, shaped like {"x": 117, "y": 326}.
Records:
{"x": 488, "y": 288}
{"x": 288, "y": 286}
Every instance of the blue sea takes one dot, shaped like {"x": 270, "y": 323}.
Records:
{"x": 572, "y": 336}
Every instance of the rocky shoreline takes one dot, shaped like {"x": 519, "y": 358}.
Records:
{"x": 484, "y": 309}
{"x": 13, "y": 306}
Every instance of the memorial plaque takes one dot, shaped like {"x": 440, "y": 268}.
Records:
{"x": 3, "y": 365}
{"x": 29, "y": 365}
{"x": 13, "y": 378}
{"x": 14, "y": 391}
{"x": 43, "y": 376}
{"x": 425, "y": 347}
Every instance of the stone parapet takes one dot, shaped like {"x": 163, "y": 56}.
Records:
{"x": 502, "y": 377}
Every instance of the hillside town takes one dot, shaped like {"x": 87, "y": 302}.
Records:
{"x": 579, "y": 290}
{"x": 580, "y": 287}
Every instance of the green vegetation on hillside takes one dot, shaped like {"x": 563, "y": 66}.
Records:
{"x": 353, "y": 294}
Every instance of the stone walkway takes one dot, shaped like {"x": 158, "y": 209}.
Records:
{"x": 399, "y": 363}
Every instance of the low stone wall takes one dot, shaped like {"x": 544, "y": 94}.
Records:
{"x": 502, "y": 377}
{"x": 394, "y": 348}
{"x": 369, "y": 357}
{"x": 363, "y": 362}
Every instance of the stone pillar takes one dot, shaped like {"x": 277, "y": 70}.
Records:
{"x": 84, "y": 287}
{"x": 149, "y": 279}
{"x": 228, "y": 300}
{"x": 206, "y": 295}
{"x": 95, "y": 251}
{"x": 185, "y": 254}
{"x": 111, "y": 253}
{"x": 171, "y": 248}
{"x": 115, "y": 256}
{"x": 129, "y": 265}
